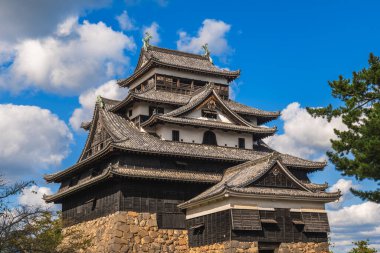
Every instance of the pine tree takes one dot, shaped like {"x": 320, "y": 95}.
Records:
{"x": 356, "y": 151}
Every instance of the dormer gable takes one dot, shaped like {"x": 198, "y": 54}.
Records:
{"x": 278, "y": 177}
{"x": 208, "y": 105}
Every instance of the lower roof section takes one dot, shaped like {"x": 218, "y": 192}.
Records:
{"x": 138, "y": 172}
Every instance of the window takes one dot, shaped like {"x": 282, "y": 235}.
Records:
{"x": 241, "y": 143}
{"x": 175, "y": 135}
{"x": 209, "y": 138}
{"x": 130, "y": 113}
{"x": 93, "y": 206}
{"x": 155, "y": 110}
{"x": 209, "y": 114}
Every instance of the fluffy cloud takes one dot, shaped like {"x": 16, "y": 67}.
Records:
{"x": 33, "y": 139}
{"x": 32, "y": 197}
{"x": 153, "y": 30}
{"x": 344, "y": 186}
{"x": 125, "y": 22}
{"x": 304, "y": 135}
{"x": 212, "y": 32}
{"x": 28, "y": 19}
{"x": 353, "y": 223}
{"x": 87, "y": 100}
{"x": 79, "y": 56}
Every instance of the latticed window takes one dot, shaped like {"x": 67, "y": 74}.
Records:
{"x": 241, "y": 143}
{"x": 209, "y": 138}
{"x": 175, "y": 135}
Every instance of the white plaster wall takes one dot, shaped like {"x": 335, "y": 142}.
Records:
{"x": 190, "y": 134}
{"x": 177, "y": 74}
{"x": 252, "y": 203}
{"x": 142, "y": 108}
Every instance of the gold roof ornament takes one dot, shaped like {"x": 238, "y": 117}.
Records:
{"x": 146, "y": 40}
{"x": 207, "y": 52}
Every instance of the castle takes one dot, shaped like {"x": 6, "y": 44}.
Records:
{"x": 178, "y": 166}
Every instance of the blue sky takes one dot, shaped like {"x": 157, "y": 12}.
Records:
{"x": 55, "y": 57}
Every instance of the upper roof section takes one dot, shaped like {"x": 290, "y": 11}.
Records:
{"x": 119, "y": 133}
{"x": 154, "y": 56}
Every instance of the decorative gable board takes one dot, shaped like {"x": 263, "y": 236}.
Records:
{"x": 211, "y": 105}
{"x": 276, "y": 177}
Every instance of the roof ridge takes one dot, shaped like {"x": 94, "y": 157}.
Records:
{"x": 182, "y": 53}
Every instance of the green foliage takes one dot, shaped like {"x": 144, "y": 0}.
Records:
{"x": 44, "y": 234}
{"x": 356, "y": 151}
{"x": 31, "y": 229}
{"x": 362, "y": 247}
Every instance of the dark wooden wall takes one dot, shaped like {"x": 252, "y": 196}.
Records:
{"x": 159, "y": 197}
{"x": 209, "y": 229}
{"x": 121, "y": 194}
{"x": 90, "y": 204}
{"x": 217, "y": 228}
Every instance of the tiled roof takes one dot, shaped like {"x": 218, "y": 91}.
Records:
{"x": 140, "y": 172}
{"x": 264, "y": 131}
{"x": 178, "y": 99}
{"x": 163, "y": 57}
{"x": 186, "y": 60}
{"x": 126, "y": 136}
{"x": 239, "y": 178}
{"x": 244, "y": 109}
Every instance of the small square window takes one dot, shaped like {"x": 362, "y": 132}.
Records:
{"x": 241, "y": 142}
{"x": 175, "y": 135}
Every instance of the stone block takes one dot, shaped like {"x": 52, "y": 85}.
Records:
{"x": 146, "y": 240}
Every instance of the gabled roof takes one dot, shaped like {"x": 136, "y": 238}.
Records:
{"x": 162, "y": 57}
{"x": 261, "y": 131}
{"x": 126, "y": 136}
{"x": 177, "y": 99}
{"x": 239, "y": 180}
{"x": 207, "y": 92}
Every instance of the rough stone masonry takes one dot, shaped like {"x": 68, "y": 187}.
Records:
{"x": 138, "y": 232}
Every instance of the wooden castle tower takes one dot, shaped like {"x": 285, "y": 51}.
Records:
{"x": 178, "y": 166}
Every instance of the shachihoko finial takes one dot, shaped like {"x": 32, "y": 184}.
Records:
{"x": 146, "y": 40}
{"x": 207, "y": 52}
{"x": 99, "y": 100}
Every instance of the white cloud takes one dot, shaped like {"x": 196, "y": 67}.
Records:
{"x": 81, "y": 56}
{"x": 366, "y": 213}
{"x": 212, "y": 32}
{"x": 126, "y": 23}
{"x": 234, "y": 89}
{"x": 153, "y": 30}
{"x": 344, "y": 187}
{"x": 354, "y": 223}
{"x": 87, "y": 100}
{"x": 32, "y": 197}
{"x": 304, "y": 135}
{"x": 33, "y": 139}
{"x": 67, "y": 27}
{"x": 28, "y": 19}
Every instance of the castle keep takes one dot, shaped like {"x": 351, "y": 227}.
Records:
{"x": 178, "y": 166}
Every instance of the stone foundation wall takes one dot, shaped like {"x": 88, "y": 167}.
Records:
{"x": 302, "y": 247}
{"x": 227, "y": 247}
{"x": 130, "y": 232}
{"x": 138, "y": 232}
